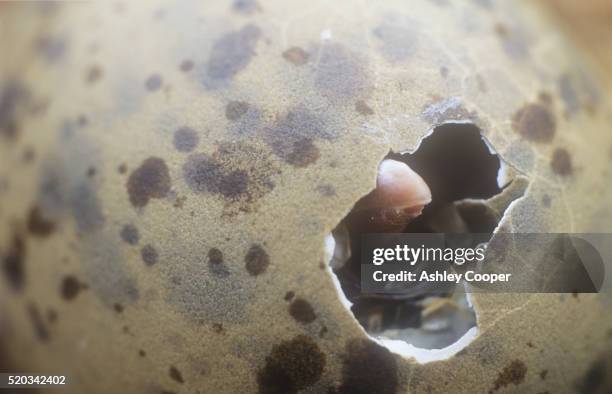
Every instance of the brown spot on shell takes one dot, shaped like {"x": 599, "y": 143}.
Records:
{"x": 363, "y": 108}
{"x": 14, "y": 95}
{"x": 28, "y": 155}
{"x": 561, "y": 162}
{"x": 122, "y": 169}
{"x": 202, "y": 174}
{"x": 186, "y": 65}
{"x": 71, "y": 287}
{"x": 535, "y": 122}
{"x": 256, "y": 260}
{"x": 545, "y": 98}
{"x": 215, "y": 256}
{"x": 513, "y": 373}
{"x": 118, "y": 308}
{"x": 38, "y": 323}
{"x": 150, "y": 180}
{"x": 239, "y": 172}
{"x": 291, "y": 366}
{"x": 232, "y": 53}
{"x": 215, "y": 262}
{"x": 326, "y": 190}
{"x": 296, "y": 55}
{"x": 235, "y": 109}
{"x": 185, "y": 139}
{"x": 179, "y": 202}
{"x": 176, "y": 375}
{"x": 302, "y": 311}
{"x": 93, "y": 74}
{"x": 91, "y": 171}
{"x": 149, "y": 254}
{"x": 245, "y": 7}
{"x": 129, "y": 233}
{"x": 292, "y": 137}
{"x": 52, "y": 48}
{"x": 38, "y": 224}
{"x": 153, "y": 83}
{"x": 341, "y": 73}
{"x": 368, "y": 368}
{"x": 303, "y": 153}
{"x": 51, "y": 315}
{"x": 13, "y": 263}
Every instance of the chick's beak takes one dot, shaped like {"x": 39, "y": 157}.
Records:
{"x": 398, "y": 189}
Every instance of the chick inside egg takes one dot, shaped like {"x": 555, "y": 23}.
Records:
{"x": 400, "y": 195}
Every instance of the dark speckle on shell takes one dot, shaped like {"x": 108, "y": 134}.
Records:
{"x": 363, "y": 108}
{"x": 129, "y": 233}
{"x": 13, "y": 96}
{"x": 52, "y": 48}
{"x": 38, "y": 323}
{"x": 235, "y": 109}
{"x": 216, "y": 264}
{"x": 150, "y": 180}
{"x": 302, "y": 311}
{"x": 185, "y": 139}
{"x": 291, "y": 366}
{"x": 70, "y": 287}
{"x": 326, "y": 190}
{"x": 186, "y": 65}
{"x": 93, "y": 74}
{"x": 13, "y": 264}
{"x": 232, "y": 53}
{"x": 203, "y": 174}
{"x": 149, "y": 254}
{"x": 176, "y": 375}
{"x": 245, "y": 7}
{"x": 535, "y": 122}
{"x": 341, "y": 73}
{"x": 296, "y": 56}
{"x": 292, "y": 137}
{"x": 38, "y": 224}
{"x": 153, "y": 83}
{"x": 368, "y": 368}
{"x": 513, "y": 373}
{"x": 237, "y": 171}
{"x": 561, "y": 162}
{"x": 256, "y": 260}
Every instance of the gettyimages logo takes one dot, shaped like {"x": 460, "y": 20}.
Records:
{"x": 417, "y": 264}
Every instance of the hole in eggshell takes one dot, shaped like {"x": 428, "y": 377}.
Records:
{"x": 463, "y": 172}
